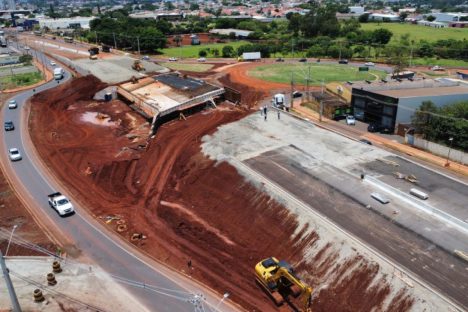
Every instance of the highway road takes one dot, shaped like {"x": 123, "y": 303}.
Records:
{"x": 90, "y": 237}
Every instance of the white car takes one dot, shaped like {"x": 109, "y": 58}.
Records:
{"x": 12, "y": 104}
{"x": 173, "y": 59}
{"x": 350, "y": 120}
{"x": 437, "y": 68}
{"x": 369, "y": 64}
{"x": 145, "y": 58}
{"x": 202, "y": 59}
{"x": 14, "y": 154}
{"x": 52, "y": 63}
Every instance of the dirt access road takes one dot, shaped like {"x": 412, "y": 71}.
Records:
{"x": 187, "y": 206}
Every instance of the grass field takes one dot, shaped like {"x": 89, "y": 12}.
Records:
{"x": 318, "y": 72}
{"x": 199, "y": 68}
{"x": 20, "y": 80}
{"x": 192, "y": 51}
{"x": 418, "y": 32}
{"x": 440, "y": 62}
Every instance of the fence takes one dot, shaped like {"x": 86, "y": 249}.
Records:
{"x": 437, "y": 149}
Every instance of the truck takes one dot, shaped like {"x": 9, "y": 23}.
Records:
{"x": 251, "y": 56}
{"x": 58, "y": 73}
{"x": 61, "y": 204}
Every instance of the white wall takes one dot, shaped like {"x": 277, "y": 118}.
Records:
{"x": 441, "y": 150}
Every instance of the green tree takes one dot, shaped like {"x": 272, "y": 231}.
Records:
{"x": 381, "y": 36}
{"x": 227, "y": 51}
{"x": 25, "y": 58}
{"x": 364, "y": 18}
{"x": 430, "y": 18}
{"x": 422, "y": 117}
{"x": 202, "y": 53}
{"x": 194, "y": 7}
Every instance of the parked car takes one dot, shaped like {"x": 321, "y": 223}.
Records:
{"x": 173, "y": 59}
{"x": 303, "y": 60}
{"x": 369, "y": 64}
{"x": 9, "y": 126}
{"x": 350, "y": 120}
{"x": 202, "y": 59}
{"x": 437, "y": 68}
{"x": 343, "y": 61}
{"x": 14, "y": 154}
{"x": 297, "y": 94}
{"x": 145, "y": 58}
{"x": 280, "y": 59}
{"x": 12, "y": 104}
{"x": 373, "y": 127}
{"x": 52, "y": 63}
{"x": 365, "y": 141}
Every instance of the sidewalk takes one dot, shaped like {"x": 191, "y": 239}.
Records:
{"x": 403, "y": 148}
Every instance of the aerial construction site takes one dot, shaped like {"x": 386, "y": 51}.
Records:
{"x": 220, "y": 192}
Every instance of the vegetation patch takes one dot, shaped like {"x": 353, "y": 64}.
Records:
{"x": 199, "y": 68}
{"x": 419, "y": 32}
{"x": 194, "y": 51}
{"x": 283, "y": 73}
{"x": 20, "y": 80}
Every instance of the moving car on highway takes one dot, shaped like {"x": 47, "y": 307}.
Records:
{"x": 343, "y": 61}
{"x": 9, "y": 126}
{"x": 52, "y": 63}
{"x": 202, "y": 59}
{"x": 14, "y": 154}
{"x": 369, "y": 64}
{"x": 12, "y": 104}
{"x": 60, "y": 203}
{"x": 173, "y": 59}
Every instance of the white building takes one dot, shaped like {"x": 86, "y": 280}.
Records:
{"x": 448, "y": 17}
{"x": 64, "y": 23}
{"x": 384, "y": 17}
{"x": 356, "y": 10}
{"x": 228, "y": 31}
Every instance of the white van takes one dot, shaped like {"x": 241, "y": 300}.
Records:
{"x": 58, "y": 73}
{"x": 419, "y": 194}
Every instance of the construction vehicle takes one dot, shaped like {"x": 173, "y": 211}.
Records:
{"x": 278, "y": 279}
{"x": 138, "y": 66}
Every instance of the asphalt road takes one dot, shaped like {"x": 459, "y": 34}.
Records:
{"x": 435, "y": 266}
{"x": 88, "y": 236}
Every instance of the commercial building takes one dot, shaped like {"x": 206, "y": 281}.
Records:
{"x": 65, "y": 23}
{"x": 384, "y": 17}
{"x": 356, "y": 9}
{"x": 447, "y": 17}
{"x": 392, "y": 103}
{"x": 228, "y": 31}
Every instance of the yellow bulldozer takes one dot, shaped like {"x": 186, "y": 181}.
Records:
{"x": 138, "y": 66}
{"x": 277, "y": 278}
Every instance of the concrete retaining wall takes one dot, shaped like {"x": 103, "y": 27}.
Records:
{"x": 441, "y": 150}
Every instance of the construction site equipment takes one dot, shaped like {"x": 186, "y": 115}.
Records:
{"x": 38, "y": 296}
{"x": 138, "y": 66}
{"x": 51, "y": 281}
{"x": 56, "y": 267}
{"x": 278, "y": 279}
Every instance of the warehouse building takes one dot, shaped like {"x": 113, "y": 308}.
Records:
{"x": 392, "y": 103}
{"x": 64, "y": 23}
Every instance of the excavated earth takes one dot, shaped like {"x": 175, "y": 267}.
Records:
{"x": 187, "y": 206}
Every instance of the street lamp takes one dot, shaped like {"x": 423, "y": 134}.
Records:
{"x": 9, "y": 241}
{"x": 448, "y": 155}
{"x": 225, "y": 296}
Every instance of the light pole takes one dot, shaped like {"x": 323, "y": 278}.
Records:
{"x": 225, "y": 296}
{"x": 9, "y": 241}
{"x": 448, "y": 155}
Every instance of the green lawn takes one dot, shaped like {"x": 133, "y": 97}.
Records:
{"x": 20, "y": 80}
{"x": 440, "y": 62}
{"x": 318, "y": 72}
{"x": 192, "y": 51}
{"x": 188, "y": 67}
{"x": 418, "y": 32}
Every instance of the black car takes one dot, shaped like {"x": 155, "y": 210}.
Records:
{"x": 280, "y": 59}
{"x": 365, "y": 141}
{"x": 9, "y": 125}
{"x": 343, "y": 62}
{"x": 297, "y": 94}
{"x": 373, "y": 127}
{"x": 303, "y": 60}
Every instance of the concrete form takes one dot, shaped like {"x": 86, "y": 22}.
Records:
{"x": 161, "y": 95}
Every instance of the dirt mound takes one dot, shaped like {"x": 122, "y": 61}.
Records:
{"x": 186, "y": 206}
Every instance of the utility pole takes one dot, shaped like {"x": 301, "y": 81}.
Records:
{"x": 138, "y": 44}
{"x": 411, "y": 56}
{"x": 14, "y": 300}
{"x": 308, "y": 81}
{"x": 292, "y": 89}
{"x": 340, "y": 51}
{"x": 321, "y": 110}
{"x": 115, "y": 42}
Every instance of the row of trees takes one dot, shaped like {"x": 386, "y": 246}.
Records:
{"x": 439, "y": 124}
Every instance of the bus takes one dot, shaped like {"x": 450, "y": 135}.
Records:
{"x": 68, "y": 39}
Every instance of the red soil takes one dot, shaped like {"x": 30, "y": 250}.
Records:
{"x": 188, "y": 206}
